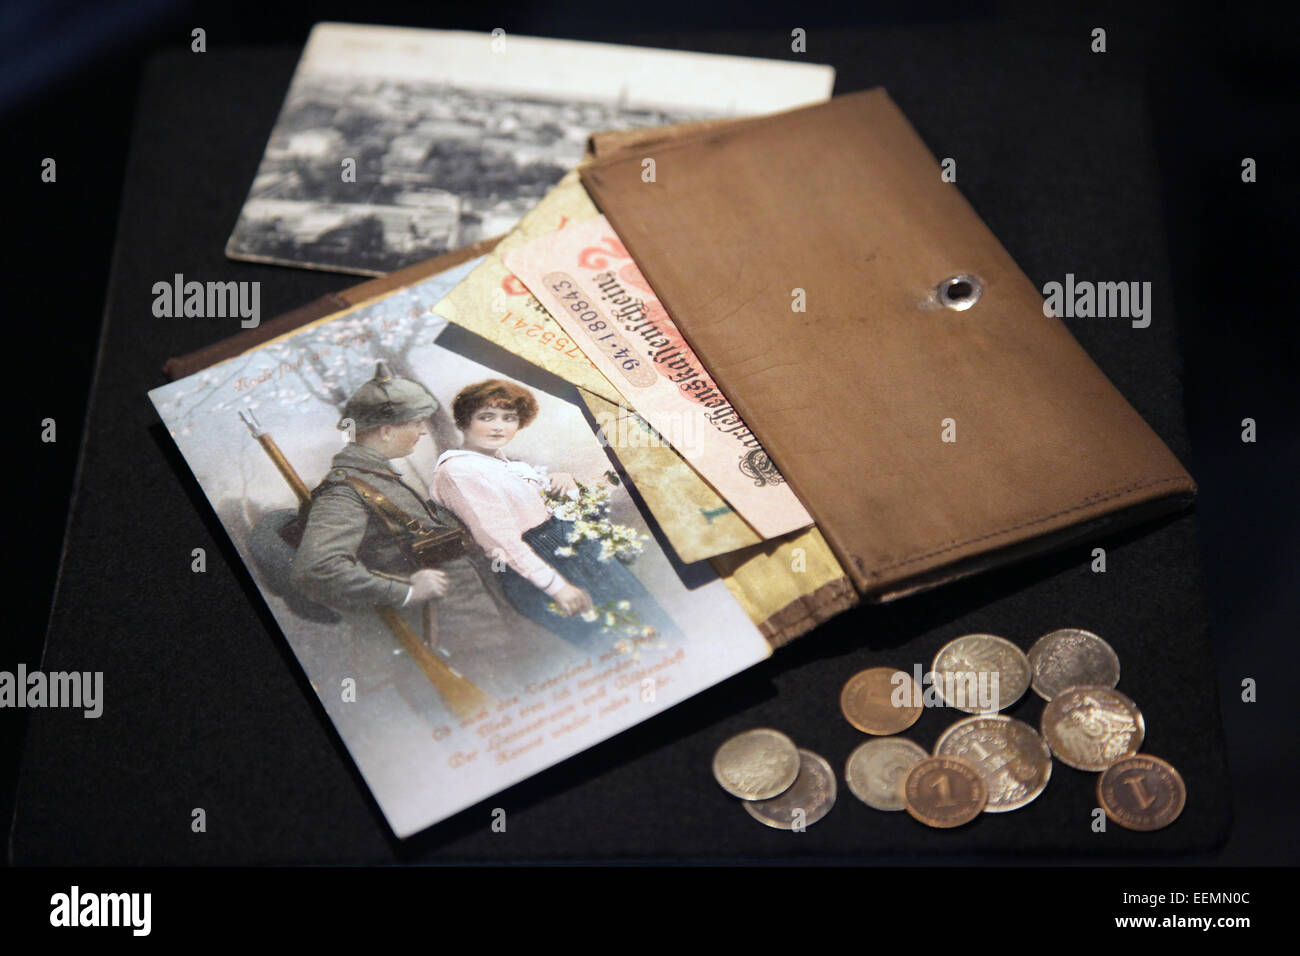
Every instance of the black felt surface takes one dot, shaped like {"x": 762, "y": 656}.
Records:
{"x": 205, "y": 705}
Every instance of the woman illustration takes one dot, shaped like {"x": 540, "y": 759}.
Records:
{"x": 567, "y": 583}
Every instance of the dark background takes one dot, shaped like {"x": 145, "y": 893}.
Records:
{"x": 1221, "y": 86}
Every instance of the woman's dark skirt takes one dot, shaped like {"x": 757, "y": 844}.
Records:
{"x": 605, "y": 581}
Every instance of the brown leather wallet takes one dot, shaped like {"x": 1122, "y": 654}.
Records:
{"x": 927, "y": 441}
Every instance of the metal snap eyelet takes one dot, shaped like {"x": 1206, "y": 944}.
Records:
{"x": 959, "y": 292}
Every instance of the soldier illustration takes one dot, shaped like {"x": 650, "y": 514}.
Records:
{"x": 374, "y": 547}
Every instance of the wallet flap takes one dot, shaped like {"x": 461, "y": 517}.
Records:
{"x": 919, "y": 436}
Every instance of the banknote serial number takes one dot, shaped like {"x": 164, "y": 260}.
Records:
{"x": 535, "y": 330}
{"x": 603, "y": 335}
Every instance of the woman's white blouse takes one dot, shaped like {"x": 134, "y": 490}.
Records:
{"x": 498, "y": 500}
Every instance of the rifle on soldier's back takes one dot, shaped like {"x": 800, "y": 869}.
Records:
{"x": 461, "y": 695}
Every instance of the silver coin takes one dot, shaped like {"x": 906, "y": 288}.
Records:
{"x": 809, "y": 798}
{"x": 1014, "y": 759}
{"x": 1089, "y": 728}
{"x": 1071, "y": 658}
{"x": 875, "y": 771}
{"x": 756, "y": 765}
{"x": 980, "y": 673}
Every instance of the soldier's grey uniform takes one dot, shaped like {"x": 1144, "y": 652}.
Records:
{"x": 345, "y": 543}
{"x": 347, "y": 551}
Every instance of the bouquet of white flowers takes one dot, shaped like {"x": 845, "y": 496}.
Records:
{"x": 589, "y": 512}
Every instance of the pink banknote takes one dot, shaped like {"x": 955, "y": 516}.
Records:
{"x": 588, "y": 282}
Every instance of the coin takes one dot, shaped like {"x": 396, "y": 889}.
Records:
{"x": 756, "y": 765}
{"x": 875, "y": 771}
{"x": 1141, "y": 792}
{"x": 980, "y": 673}
{"x": 881, "y": 700}
{"x": 1071, "y": 658}
{"x": 1091, "y": 727}
{"x": 808, "y": 800}
{"x": 1014, "y": 759}
{"x": 945, "y": 792}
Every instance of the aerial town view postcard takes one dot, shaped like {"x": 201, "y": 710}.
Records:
{"x": 396, "y": 144}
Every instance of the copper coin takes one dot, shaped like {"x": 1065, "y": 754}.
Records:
{"x": 809, "y": 798}
{"x": 1071, "y": 658}
{"x": 756, "y": 765}
{"x": 980, "y": 673}
{"x": 945, "y": 792}
{"x": 1141, "y": 792}
{"x": 876, "y": 769}
{"x": 1091, "y": 727}
{"x": 881, "y": 701}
